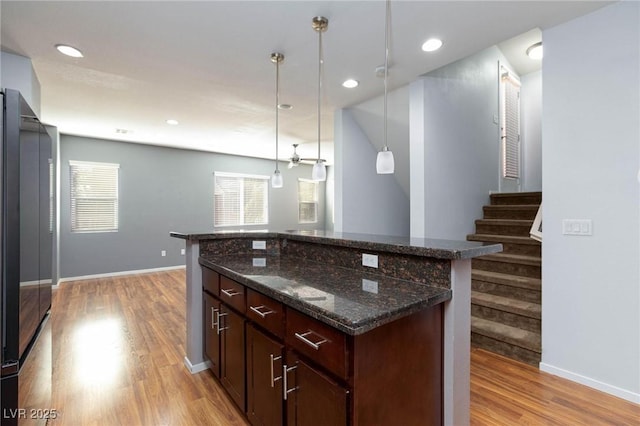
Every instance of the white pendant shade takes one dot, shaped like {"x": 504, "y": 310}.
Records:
{"x": 276, "y": 179}
{"x": 319, "y": 172}
{"x": 384, "y": 163}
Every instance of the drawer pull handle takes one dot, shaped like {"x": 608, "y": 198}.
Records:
{"x": 218, "y": 323}
{"x": 286, "y": 391}
{"x": 274, "y": 379}
{"x": 256, "y": 309}
{"x": 315, "y": 345}
{"x": 230, "y": 292}
{"x": 214, "y": 322}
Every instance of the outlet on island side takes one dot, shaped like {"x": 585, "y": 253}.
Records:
{"x": 370, "y": 260}
{"x": 182, "y": 252}
{"x": 163, "y": 253}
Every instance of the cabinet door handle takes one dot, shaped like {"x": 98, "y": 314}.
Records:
{"x": 286, "y": 391}
{"x": 274, "y": 379}
{"x": 256, "y": 309}
{"x": 230, "y": 292}
{"x": 214, "y": 322}
{"x": 315, "y": 345}
{"x": 218, "y": 323}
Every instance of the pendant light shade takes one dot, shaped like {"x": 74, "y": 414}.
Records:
{"x": 319, "y": 24}
{"x": 276, "y": 180}
{"x": 385, "y": 163}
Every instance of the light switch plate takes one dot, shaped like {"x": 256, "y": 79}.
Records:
{"x": 259, "y": 245}
{"x": 582, "y": 227}
{"x": 370, "y": 260}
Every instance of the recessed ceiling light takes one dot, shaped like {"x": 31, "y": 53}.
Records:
{"x": 535, "y": 51}
{"x": 432, "y": 45}
{"x": 172, "y": 122}
{"x": 350, "y": 84}
{"x": 69, "y": 51}
{"x": 123, "y": 131}
{"x": 285, "y": 106}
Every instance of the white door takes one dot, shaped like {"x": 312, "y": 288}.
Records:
{"x": 510, "y": 149}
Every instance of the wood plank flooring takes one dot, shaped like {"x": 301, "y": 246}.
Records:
{"x": 118, "y": 349}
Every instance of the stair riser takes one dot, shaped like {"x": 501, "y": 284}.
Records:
{"x": 517, "y": 293}
{"x": 514, "y": 352}
{"x": 514, "y": 230}
{"x": 522, "y": 249}
{"x": 507, "y": 318}
{"x": 519, "y": 214}
{"x": 507, "y": 268}
{"x": 516, "y": 199}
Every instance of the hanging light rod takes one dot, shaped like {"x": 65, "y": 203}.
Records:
{"x": 277, "y": 58}
{"x": 320, "y": 25}
{"x": 384, "y": 162}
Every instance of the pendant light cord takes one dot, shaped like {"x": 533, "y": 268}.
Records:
{"x": 319, "y": 86}
{"x": 277, "y": 103}
{"x": 386, "y": 67}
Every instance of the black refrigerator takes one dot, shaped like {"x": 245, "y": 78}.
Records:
{"x": 26, "y": 232}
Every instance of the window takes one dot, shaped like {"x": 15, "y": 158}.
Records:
{"x": 307, "y": 201}
{"x": 94, "y": 196}
{"x": 240, "y": 200}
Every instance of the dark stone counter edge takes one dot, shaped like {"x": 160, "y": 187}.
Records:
{"x": 470, "y": 251}
{"x": 318, "y": 313}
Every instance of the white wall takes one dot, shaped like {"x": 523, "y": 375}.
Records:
{"x": 365, "y": 202}
{"x": 531, "y": 133}
{"x": 16, "y": 72}
{"x": 591, "y": 156}
{"x": 454, "y": 145}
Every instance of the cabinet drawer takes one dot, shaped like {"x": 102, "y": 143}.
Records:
{"x": 232, "y": 293}
{"x": 265, "y": 312}
{"x": 210, "y": 281}
{"x": 318, "y": 341}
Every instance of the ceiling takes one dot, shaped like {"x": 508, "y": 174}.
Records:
{"x": 206, "y": 63}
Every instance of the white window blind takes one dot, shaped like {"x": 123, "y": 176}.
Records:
{"x": 307, "y": 201}
{"x": 510, "y": 126}
{"x": 240, "y": 200}
{"x": 94, "y": 196}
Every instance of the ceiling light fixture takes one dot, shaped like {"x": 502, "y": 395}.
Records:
{"x": 432, "y": 45}
{"x": 384, "y": 162}
{"x": 319, "y": 24}
{"x": 276, "y": 180}
{"x": 69, "y": 51}
{"x": 285, "y": 106}
{"x": 535, "y": 51}
{"x": 350, "y": 83}
{"x": 172, "y": 122}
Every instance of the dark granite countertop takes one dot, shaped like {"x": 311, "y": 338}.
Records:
{"x": 349, "y": 300}
{"x": 427, "y": 247}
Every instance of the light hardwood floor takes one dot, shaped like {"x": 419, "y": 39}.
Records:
{"x": 118, "y": 349}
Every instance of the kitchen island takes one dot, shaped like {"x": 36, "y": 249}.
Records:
{"x": 359, "y": 327}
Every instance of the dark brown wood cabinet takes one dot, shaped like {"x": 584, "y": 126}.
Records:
{"x": 281, "y": 366}
{"x": 265, "y": 358}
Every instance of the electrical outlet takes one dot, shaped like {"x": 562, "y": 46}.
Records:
{"x": 259, "y": 245}
{"x": 182, "y": 252}
{"x": 163, "y": 253}
{"x": 260, "y": 262}
{"x": 370, "y": 260}
{"x": 577, "y": 227}
{"x": 370, "y": 286}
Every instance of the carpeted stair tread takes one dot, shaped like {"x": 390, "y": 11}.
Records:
{"x": 507, "y": 304}
{"x": 509, "y": 222}
{"x": 507, "y": 279}
{"x": 502, "y": 239}
{"x": 505, "y": 333}
{"x": 513, "y": 258}
{"x": 516, "y": 198}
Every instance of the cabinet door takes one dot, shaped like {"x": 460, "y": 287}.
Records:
{"x": 264, "y": 379}
{"x": 211, "y": 338}
{"x": 232, "y": 354}
{"x": 312, "y": 398}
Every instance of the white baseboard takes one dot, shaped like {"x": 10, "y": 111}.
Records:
{"x": 193, "y": 369}
{"x": 592, "y": 383}
{"x": 118, "y": 274}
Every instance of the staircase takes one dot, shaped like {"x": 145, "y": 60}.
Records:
{"x": 505, "y": 287}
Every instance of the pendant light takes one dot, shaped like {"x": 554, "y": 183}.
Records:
{"x": 384, "y": 162}
{"x": 319, "y": 24}
{"x": 276, "y": 179}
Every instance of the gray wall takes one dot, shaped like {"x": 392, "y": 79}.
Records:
{"x": 161, "y": 190}
{"x": 365, "y": 202}
{"x": 531, "y": 133}
{"x": 591, "y": 157}
{"x": 454, "y": 145}
{"x": 16, "y": 72}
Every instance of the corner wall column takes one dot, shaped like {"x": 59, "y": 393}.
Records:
{"x": 194, "y": 359}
